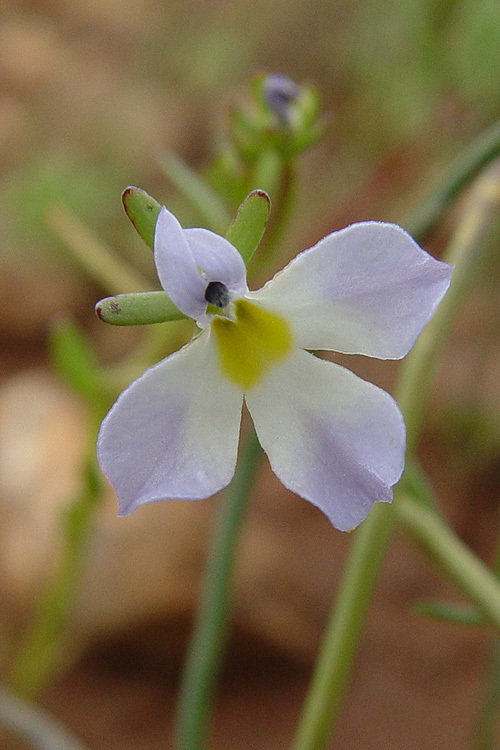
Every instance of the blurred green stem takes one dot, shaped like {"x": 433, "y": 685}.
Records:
{"x": 349, "y": 612}
{"x": 486, "y": 729}
{"x": 34, "y": 725}
{"x": 465, "y": 167}
{"x": 200, "y": 195}
{"x": 486, "y": 723}
{"x": 445, "y": 548}
{"x": 98, "y": 260}
{"x": 209, "y": 637}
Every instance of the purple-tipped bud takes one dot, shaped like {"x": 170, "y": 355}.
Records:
{"x": 279, "y": 92}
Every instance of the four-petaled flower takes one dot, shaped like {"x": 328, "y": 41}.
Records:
{"x": 331, "y": 437}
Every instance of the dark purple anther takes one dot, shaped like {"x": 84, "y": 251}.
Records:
{"x": 217, "y": 294}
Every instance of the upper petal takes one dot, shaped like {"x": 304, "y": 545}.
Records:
{"x": 173, "y": 433}
{"x": 188, "y": 259}
{"x": 331, "y": 437}
{"x": 367, "y": 289}
{"x": 217, "y": 259}
{"x": 176, "y": 266}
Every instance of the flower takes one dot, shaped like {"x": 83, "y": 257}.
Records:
{"x": 331, "y": 437}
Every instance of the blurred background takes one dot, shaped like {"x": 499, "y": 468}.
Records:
{"x": 91, "y": 94}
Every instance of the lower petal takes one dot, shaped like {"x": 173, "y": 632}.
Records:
{"x": 173, "y": 433}
{"x": 331, "y": 437}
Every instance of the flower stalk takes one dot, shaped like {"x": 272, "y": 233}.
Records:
{"x": 203, "y": 661}
{"x": 465, "y": 168}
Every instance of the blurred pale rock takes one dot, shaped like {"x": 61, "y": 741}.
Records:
{"x": 41, "y": 434}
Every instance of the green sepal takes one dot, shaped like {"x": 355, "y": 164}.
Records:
{"x": 142, "y": 210}
{"x": 74, "y": 360}
{"x": 458, "y": 614}
{"x": 247, "y": 227}
{"x": 137, "y": 309}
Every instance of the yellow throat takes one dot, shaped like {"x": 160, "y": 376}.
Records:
{"x": 251, "y": 344}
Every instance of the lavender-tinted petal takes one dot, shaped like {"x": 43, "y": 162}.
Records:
{"x": 367, "y": 289}
{"x": 176, "y": 266}
{"x": 331, "y": 437}
{"x": 217, "y": 259}
{"x": 174, "y": 431}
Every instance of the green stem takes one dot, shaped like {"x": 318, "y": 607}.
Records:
{"x": 486, "y": 722}
{"x": 466, "y": 166}
{"x": 211, "y": 628}
{"x": 447, "y": 550}
{"x": 343, "y": 630}
{"x": 325, "y": 696}
{"x": 200, "y": 195}
{"x": 485, "y": 735}
{"x": 34, "y": 726}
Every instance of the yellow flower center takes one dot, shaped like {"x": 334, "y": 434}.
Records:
{"x": 251, "y": 344}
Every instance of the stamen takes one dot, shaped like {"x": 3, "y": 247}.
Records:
{"x": 217, "y": 294}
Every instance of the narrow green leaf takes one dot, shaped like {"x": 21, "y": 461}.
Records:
{"x": 142, "y": 210}
{"x": 74, "y": 359}
{"x": 459, "y": 614}
{"x": 248, "y": 225}
{"x": 137, "y": 309}
{"x": 210, "y": 207}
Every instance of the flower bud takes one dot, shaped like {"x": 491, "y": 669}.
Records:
{"x": 279, "y": 93}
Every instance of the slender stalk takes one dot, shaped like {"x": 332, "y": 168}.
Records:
{"x": 450, "y": 553}
{"x": 211, "y": 628}
{"x": 485, "y": 734}
{"x": 486, "y": 722}
{"x": 324, "y": 700}
{"x": 326, "y": 691}
{"x": 98, "y": 260}
{"x": 200, "y": 195}
{"x": 34, "y": 725}
{"x": 465, "y": 167}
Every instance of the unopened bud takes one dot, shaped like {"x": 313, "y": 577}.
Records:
{"x": 279, "y": 93}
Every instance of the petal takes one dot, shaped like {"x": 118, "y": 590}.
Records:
{"x": 217, "y": 258}
{"x": 176, "y": 266}
{"x": 367, "y": 289}
{"x": 331, "y": 437}
{"x": 174, "y": 431}
{"x": 187, "y": 259}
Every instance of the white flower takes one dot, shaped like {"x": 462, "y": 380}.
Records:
{"x": 331, "y": 437}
